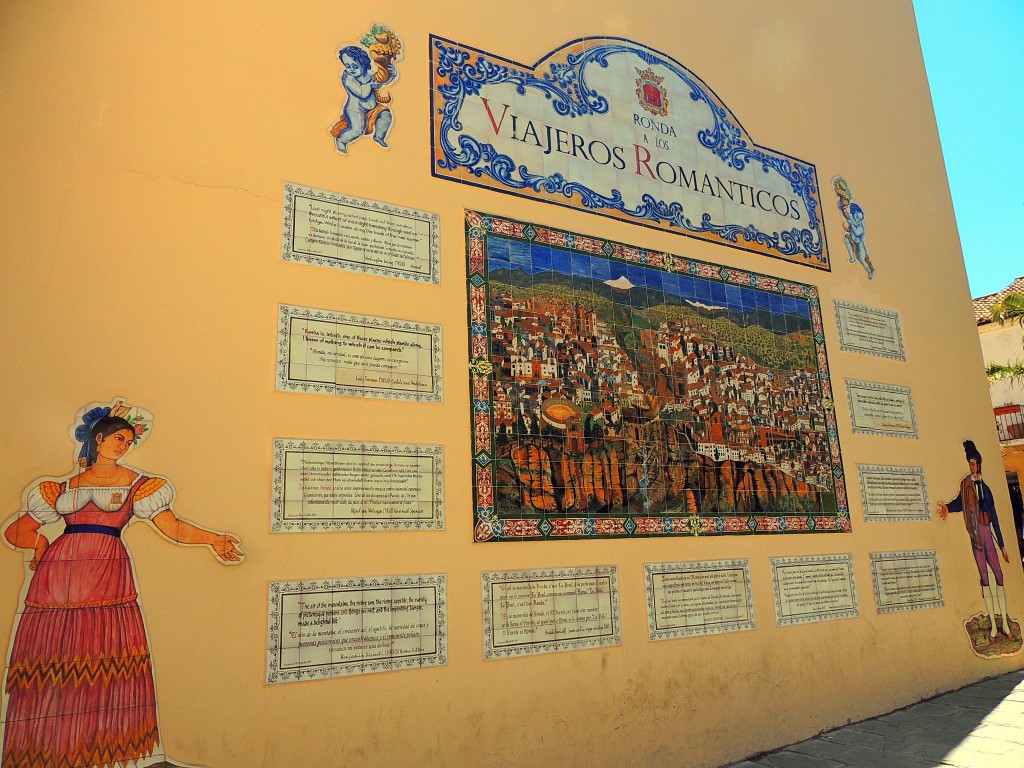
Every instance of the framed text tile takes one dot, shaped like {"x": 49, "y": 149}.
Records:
{"x": 808, "y": 589}
{"x": 884, "y": 410}
{"x": 337, "y": 627}
{"x": 357, "y": 235}
{"x": 893, "y": 494}
{"x": 331, "y": 485}
{"x": 869, "y": 330}
{"x": 906, "y": 581}
{"x": 698, "y": 598}
{"x": 546, "y": 611}
{"x": 335, "y": 353}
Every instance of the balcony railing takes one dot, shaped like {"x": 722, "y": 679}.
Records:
{"x": 1009, "y": 422}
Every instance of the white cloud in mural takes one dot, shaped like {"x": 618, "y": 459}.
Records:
{"x": 708, "y": 307}
{"x": 620, "y": 282}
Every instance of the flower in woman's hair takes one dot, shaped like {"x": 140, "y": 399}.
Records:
{"x": 139, "y": 426}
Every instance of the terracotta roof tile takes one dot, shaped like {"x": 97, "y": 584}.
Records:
{"x": 983, "y": 304}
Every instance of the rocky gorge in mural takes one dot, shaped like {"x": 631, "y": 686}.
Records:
{"x": 628, "y": 399}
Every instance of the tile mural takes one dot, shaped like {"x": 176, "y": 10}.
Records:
{"x": 620, "y": 392}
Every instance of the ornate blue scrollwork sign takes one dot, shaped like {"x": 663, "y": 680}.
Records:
{"x": 613, "y": 127}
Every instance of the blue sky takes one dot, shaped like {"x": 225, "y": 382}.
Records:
{"x": 533, "y": 259}
{"x": 974, "y": 54}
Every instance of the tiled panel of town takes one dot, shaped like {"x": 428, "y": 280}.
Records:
{"x": 620, "y": 392}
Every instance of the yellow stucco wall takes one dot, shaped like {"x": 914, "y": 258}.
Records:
{"x": 145, "y": 147}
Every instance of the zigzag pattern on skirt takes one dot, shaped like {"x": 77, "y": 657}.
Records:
{"x": 108, "y": 751}
{"x": 78, "y": 672}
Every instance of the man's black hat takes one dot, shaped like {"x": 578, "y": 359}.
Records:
{"x": 972, "y": 452}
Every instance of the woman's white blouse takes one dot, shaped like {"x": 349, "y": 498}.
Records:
{"x": 74, "y": 499}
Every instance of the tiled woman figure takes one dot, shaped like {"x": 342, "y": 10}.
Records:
{"x": 79, "y": 688}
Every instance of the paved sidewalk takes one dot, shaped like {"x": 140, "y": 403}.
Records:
{"x": 980, "y": 726}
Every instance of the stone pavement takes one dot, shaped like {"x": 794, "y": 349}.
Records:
{"x": 980, "y": 726}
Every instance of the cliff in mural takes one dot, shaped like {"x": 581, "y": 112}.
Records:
{"x": 661, "y": 475}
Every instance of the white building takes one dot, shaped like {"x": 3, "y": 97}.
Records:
{"x": 1002, "y": 344}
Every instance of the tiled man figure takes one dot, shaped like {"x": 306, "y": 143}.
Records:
{"x": 979, "y": 509}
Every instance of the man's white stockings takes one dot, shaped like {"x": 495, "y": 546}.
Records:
{"x": 986, "y": 592}
{"x": 1000, "y": 595}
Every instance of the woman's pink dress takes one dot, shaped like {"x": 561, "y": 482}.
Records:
{"x": 80, "y": 681}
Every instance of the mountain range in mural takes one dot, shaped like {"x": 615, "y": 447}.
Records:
{"x": 648, "y": 298}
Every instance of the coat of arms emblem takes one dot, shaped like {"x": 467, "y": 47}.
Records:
{"x": 649, "y": 91}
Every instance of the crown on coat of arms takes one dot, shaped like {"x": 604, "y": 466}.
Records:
{"x": 651, "y": 94}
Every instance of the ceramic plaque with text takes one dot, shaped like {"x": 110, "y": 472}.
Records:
{"x": 548, "y": 611}
{"x": 906, "y": 581}
{"x": 893, "y": 494}
{"x": 869, "y": 330}
{"x": 810, "y": 589}
{"x": 621, "y": 392}
{"x": 610, "y": 126}
{"x": 333, "y": 485}
{"x": 357, "y": 355}
{"x": 338, "y": 627}
{"x": 885, "y": 410}
{"x": 357, "y": 235}
{"x": 698, "y": 598}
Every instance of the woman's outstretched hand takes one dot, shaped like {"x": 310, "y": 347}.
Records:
{"x": 227, "y": 548}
